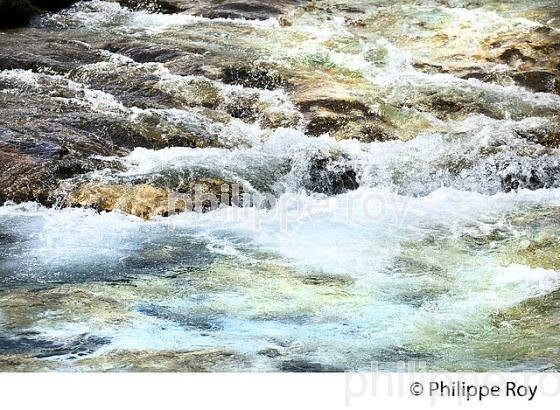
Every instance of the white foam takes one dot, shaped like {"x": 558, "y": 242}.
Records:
{"x": 103, "y": 15}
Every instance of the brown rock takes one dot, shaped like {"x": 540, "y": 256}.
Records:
{"x": 143, "y": 201}
{"x": 22, "y": 178}
{"x": 546, "y": 136}
{"x": 329, "y": 106}
{"x": 539, "y": 81}
{"x": 536, "y": 49}
{"x": 366, "y": 131}
{"x": 148, "y": 201}
{"x": 34, "y": 50}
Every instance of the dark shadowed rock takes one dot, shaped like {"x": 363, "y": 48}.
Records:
{"x": 248, "y": 9}
{"x": 16, "y": 13}
{"x": 155, "y": 6}
{"x": 146, "y": 52}
{"x": 330, "y": 174}
{"x": 229, "y": 9}
{"x": 190, "y": 321}
{"x": 539, "y": 81}
{"x": 253, "y": 77}
{"x": 548, "y": 136}
{"x": 269, "y": 352}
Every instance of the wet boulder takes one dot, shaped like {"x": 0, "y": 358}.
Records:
{"x": 46, "y": 142}
{"x": 528, "y": 58}
{"x": 537, "y": 47}
{"x": 254, "y": 77}
{"x": 22, "y": 178}
{"x": 444, "y": 103}
{"x": 155, "y": 6}
{"x": 144, "y": 51}
{"x": 229, "y": 9}
{"x": 531, "y": 55}
{"x": 329, "y": 173}
{"x": 329, "y": 106}
{"x": 143, "y": 201}
{"x": 539, "y": 81}
{"x": 247, "y": 9}
{"x": 346, "y": 119}
{"x": 147, "y": 201}
{"x": 33, "y": 50}
{"x": 367, "y": 131}
{"x": 546, "y": 136}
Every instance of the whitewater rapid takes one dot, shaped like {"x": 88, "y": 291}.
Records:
{"x": 417, "y": 263}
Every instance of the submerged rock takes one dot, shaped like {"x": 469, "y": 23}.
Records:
{"x": 190, "y": 321}
{"x": 210, "y": 360}
{"x": 539, "y": 247}
{"x": 544, "y": 252}
{"x": 533, "y": 324}
{"x": 42, "y": 348}
{"x": 304, "y": 366}
{"x": 270, "y": 352}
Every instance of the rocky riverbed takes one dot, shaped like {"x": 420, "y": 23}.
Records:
{"x": 286, "y": 185}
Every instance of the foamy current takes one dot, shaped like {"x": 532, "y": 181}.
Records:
{"x": 420, "y": 263}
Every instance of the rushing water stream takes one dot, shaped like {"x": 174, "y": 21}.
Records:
{"x": 404, "y": 189}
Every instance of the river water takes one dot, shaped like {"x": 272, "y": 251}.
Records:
{"x": 438, "y": 247}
